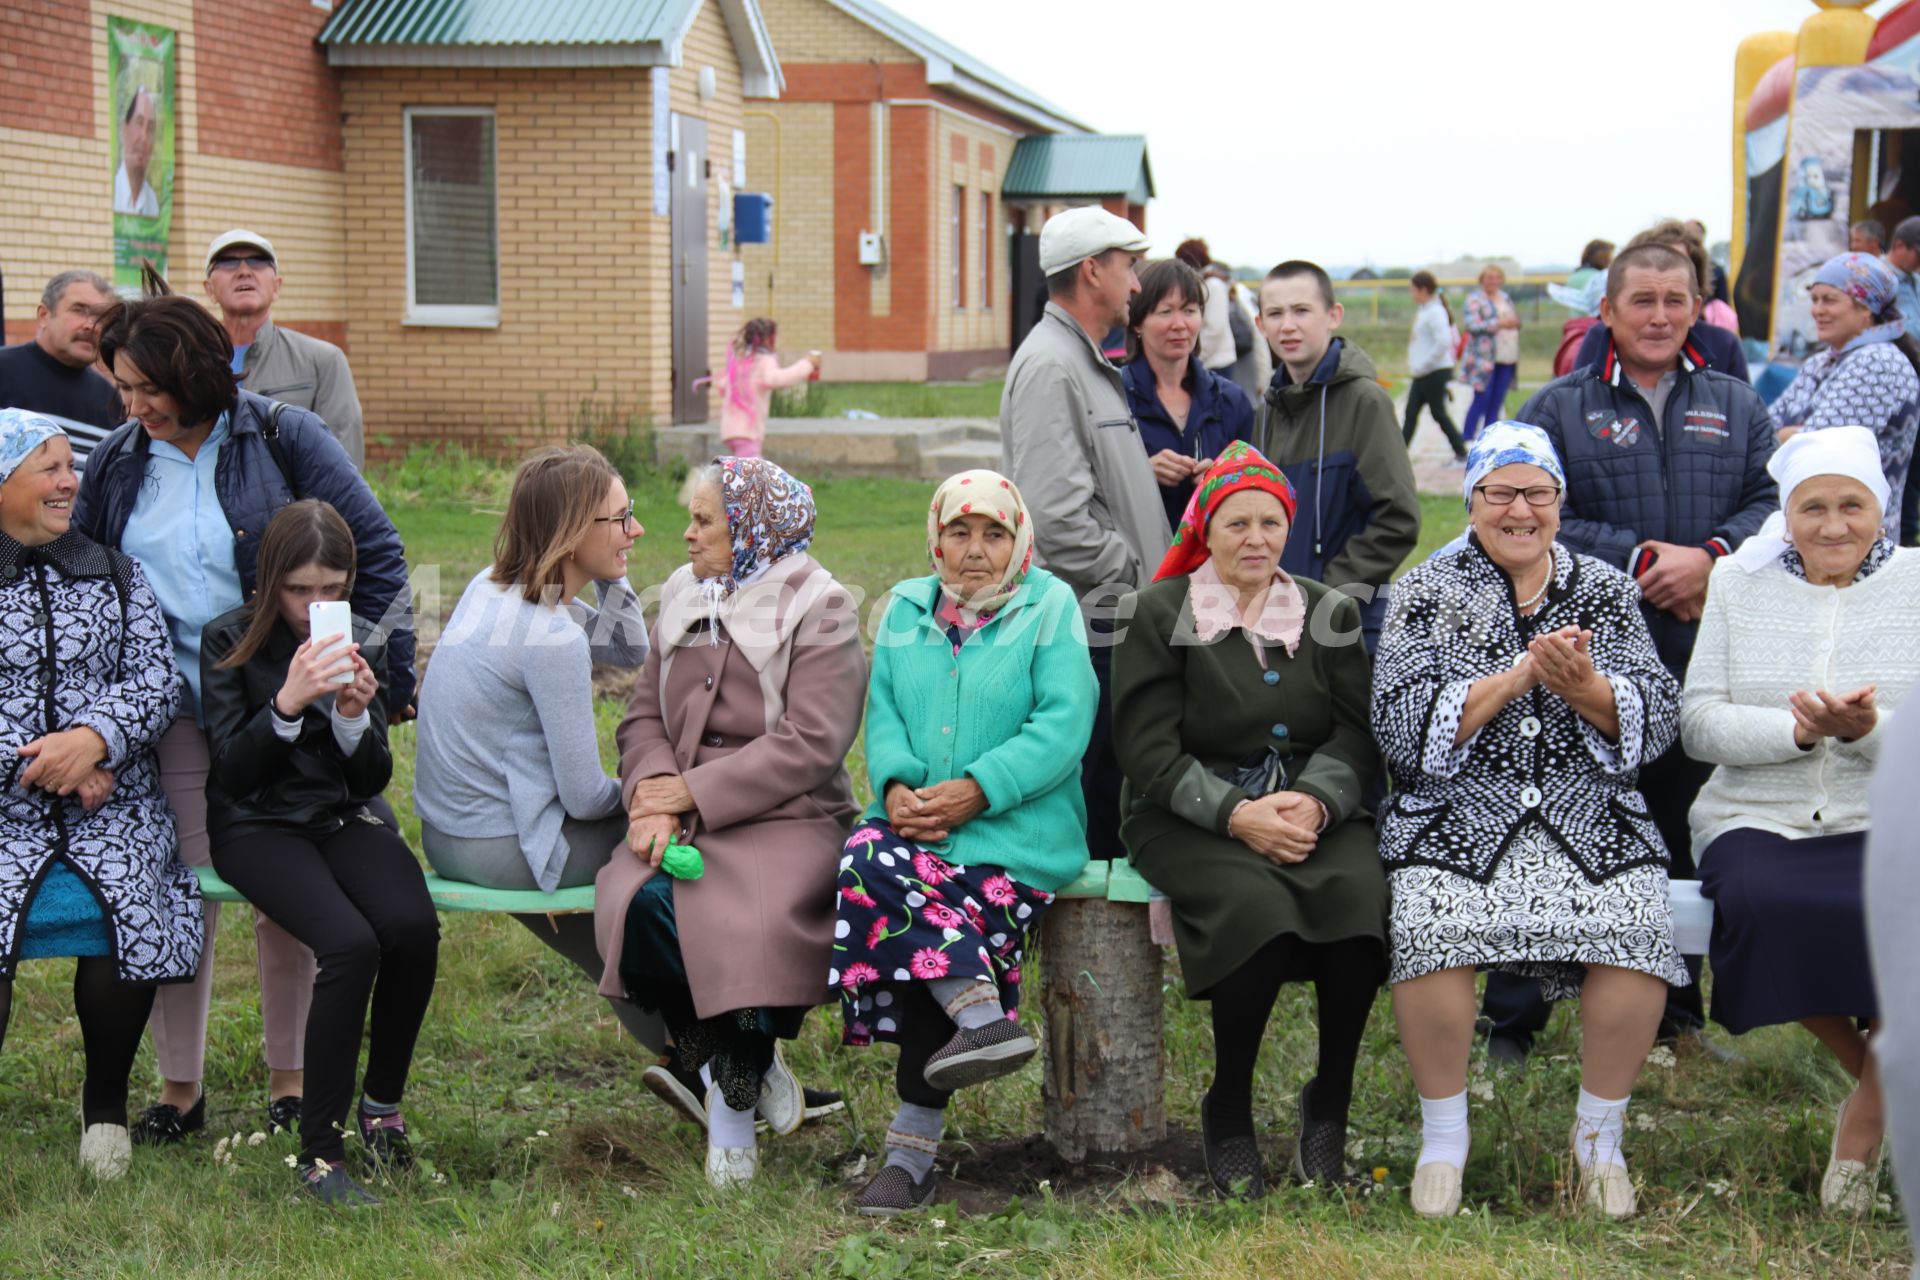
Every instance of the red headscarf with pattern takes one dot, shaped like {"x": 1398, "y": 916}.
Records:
{"x": 1240, "y": 466}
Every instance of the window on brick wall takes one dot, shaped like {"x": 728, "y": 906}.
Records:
{"x": 959, "y": 248}
{"x": 986, "y": 250}
{"x": 453, "y": 224}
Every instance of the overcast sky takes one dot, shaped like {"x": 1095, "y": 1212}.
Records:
{"x": 1396, "y": 131}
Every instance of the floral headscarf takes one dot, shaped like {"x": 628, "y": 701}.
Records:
{"x": 990, "y": 494}
{"x": 1239, "y": 466}
{"x": 21, "y": 432}
{"x": 1872, "y": 284}
{"x": 769, "y": 516}
{"x": 1503, "y": 444}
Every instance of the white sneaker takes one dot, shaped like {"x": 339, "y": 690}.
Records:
{"x": 1436, "y": 1189}
{"x": 729, "y": 1167}
{"x": 106, "y": 1151}
{"x": 1604, "y": 1185}
{"x": 782, "y": 1104}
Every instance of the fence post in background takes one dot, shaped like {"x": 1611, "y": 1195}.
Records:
{"x": 1104, "y": 1079}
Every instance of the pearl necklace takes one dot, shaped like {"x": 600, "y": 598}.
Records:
{"x": 1532, "y": 602}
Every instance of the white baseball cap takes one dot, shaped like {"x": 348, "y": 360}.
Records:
{"x": 240, "y": 235}
{"x": 1070, "y": 238}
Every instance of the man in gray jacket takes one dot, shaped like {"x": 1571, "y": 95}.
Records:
{"x": 243, "y": 280}
{"x": 1069, "y": 442}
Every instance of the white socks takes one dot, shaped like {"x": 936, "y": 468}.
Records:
{"x": 1443, "y": 1131}
{"x": 725, "y": 1126}
{"x": 1600, "y": 1121}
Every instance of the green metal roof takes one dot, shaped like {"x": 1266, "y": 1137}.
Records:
{"x": 1067, "y": 164}
{"x": 508, "y": 22}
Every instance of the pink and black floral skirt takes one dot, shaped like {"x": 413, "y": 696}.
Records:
{"x": 905, "y": 914}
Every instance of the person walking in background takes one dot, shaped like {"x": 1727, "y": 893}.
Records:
{"x": 1492, "y": 358}
{"x": 753, "y": 374}
{"x": 1593, "y": 262}
{"x": 1070, "y": 444}
{"x": 1715, "y": 346}
{"x": 1430, "y": 361}
{"x": 1216, "y": 347}
{"x": 297, "y": 734}
{"x": 1187, "y": 412}
{"x": 53, "y": 373}
{"x": 1868, "y": 372}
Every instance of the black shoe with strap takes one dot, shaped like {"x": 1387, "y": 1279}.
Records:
{"x": 1233, "y": 1160}
{"x": 163, "y": 1124}
{"x": 894, "y": 1192}
{"x": 283, "y": 1114}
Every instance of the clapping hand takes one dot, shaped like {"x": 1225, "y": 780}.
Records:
{"x": 1562, "y": 661}
{"x": 1821, "y": 714}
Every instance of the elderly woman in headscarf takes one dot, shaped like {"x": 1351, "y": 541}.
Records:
{"x": 89, "y": 865}
{"x": 1806, "y": 648}
{"x": 979, "y": 710}
{"x": 735, "y": 742}
{"x": 1240, "y": 720}
{"x": 1517, "y": 694}
{"x": 1866, "y": 376}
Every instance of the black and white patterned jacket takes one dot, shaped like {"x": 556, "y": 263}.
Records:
{"x": 1455, "y": 621}
{"x": 83, "y": 643}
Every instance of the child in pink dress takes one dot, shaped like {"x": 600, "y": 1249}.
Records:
{"x": 753, "y": 375}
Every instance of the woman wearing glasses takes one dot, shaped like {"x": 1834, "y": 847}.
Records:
{"x": 1516, "y": 694}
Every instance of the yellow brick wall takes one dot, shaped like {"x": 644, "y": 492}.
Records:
{"x": 708, "y": 44}
{"x": 56, "y": 203}
{"x": 974, "y": 327}
{"x": 790, "y": 157}
{"x": 815, "y": 31}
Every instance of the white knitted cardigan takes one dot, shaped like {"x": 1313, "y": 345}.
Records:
{"x": 1764, "y": 635}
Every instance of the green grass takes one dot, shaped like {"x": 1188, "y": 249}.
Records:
{"x": 544, "y": 1156}
{"x": 891, "y": 399}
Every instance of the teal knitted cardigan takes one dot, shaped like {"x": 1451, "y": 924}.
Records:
{"x": 1013, "y": 711}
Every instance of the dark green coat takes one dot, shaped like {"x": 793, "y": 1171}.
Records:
{"x": 1183, "y": 710}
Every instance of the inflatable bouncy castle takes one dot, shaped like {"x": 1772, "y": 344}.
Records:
{"x": 1826, "y": 133}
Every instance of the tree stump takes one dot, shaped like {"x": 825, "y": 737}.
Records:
{"x": 1103, "y": 1063}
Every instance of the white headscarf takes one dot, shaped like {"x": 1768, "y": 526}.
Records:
{"x": 1833, "y": 451}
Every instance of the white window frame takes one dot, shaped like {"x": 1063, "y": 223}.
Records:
{"x": 440, "y": 315}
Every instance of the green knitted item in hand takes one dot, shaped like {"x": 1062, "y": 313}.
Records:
{"x": 682, "y": 862}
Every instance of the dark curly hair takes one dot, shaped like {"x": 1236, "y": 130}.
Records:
{"x": 178, "y": 345}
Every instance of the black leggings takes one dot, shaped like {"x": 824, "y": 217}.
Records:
{"x": 924, "y": 1029}
{"x": 1346, "y": 975}
{"x": 1430, "y": 389}
{"x": 359, "y": 900}
{"x": 113, "y": 1015}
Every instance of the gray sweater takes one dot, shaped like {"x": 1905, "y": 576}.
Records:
{"x": 507, "y": 744}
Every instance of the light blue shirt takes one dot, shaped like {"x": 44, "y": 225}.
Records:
{"x": 240, "y": 357}
{"x": 179, "y": 533}
{"x": 1906, "y": 294}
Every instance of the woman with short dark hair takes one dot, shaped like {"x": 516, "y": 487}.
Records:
{"x": 187, "y": 489}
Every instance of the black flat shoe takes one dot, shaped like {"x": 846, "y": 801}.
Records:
{"x": 892, "y": 1193}
{"x": 1320, "y": 1152}
{"x": 822, "y": 1103}
{"x": 283, "y": 1114}
{"x": 1233, "y": 1162}
{"x": 162, "y": 1124}
{"x": 332, "y": 1187}
{"x": 389, "y": 1150}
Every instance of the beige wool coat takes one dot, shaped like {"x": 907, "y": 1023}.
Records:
{"x": 758, "y": 727}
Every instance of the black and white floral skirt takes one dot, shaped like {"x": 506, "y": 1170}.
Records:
{"x": 1538, "y": 917}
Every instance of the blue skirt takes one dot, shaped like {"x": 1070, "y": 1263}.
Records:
{"x": 64, "y": 918}
{"x": 1789, "y": 928}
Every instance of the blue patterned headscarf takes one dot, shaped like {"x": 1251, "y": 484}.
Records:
{"x": 1871, "y": 283}
{"x": 21, "y": 432}
{"x": 769, "y": 515}
{"x": 1502, "y": 444}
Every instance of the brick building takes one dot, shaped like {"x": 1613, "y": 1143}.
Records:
{"x": 897, "y": 241}
{"x": 501, "y": 208}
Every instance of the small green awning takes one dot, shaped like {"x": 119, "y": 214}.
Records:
{"x": 1091, "y": 165}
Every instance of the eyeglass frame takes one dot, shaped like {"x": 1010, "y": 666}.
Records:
{"x": 627, "y": 520}
{"x": 1520, "y": 491}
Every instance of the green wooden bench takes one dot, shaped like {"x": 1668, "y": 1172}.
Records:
{"x": 449, "y": 895}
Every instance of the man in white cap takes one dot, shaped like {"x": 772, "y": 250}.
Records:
{"x": 1069, "y": 442}
{"x": 243, "y": 280}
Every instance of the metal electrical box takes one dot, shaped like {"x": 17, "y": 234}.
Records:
{"x": 752, "y": 217}
{"x": 873, "y": 250}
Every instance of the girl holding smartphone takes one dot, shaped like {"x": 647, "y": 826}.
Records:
{"x": 297, "y": 735}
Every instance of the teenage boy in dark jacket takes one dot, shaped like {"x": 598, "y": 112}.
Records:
{"x": 1666, "y": 464}
{"x": 1329, "y": 425}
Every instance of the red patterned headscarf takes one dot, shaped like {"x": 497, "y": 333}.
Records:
{"x": 1239, "y": 466}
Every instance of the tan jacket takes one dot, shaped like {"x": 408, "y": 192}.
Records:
{"x": 758, "y": 727}
{"x": 308, "y": 373}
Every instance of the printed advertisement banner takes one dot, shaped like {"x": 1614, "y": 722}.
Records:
{"x": 140, "y": 67}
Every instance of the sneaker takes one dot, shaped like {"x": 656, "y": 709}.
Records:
{"x": 1233, "y": 1163}
{"x": 163, "y": 1124}
{"x": 729, "y": 1167}
{"x": 106, "y": 1151}
{"x": 388, "y": 1148}
{"x": 1436, "y": 1189}
{"x": 1319, "y": 1152}
{"x": 978, "y": 1054}
{"x": 329, "y": 1184}
{"x": 283, "y": 1114}
{"x": 894, "y": 1192}
{"x": 678, "y": 1087}
{"x": 782, "y": 1102}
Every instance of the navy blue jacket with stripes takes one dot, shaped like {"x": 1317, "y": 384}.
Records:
{"x": 1699, "y": 480}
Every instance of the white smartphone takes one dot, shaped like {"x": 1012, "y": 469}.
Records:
{"x": 332, "y": 620}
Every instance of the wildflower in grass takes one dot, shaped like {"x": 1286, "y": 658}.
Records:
{"x": 1380, "y": 1173}
{"x": 928, "y": 963}
{"x": 222, "y": 1151}
{"x": 1661, "y": 1056}
{"x": 293, "y": 1161}
{"x": 1481, "y": 1089}
{"x": 255, "y": 1138}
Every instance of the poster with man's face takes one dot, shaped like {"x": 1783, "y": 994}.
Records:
{"x": 140, "y": 67}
